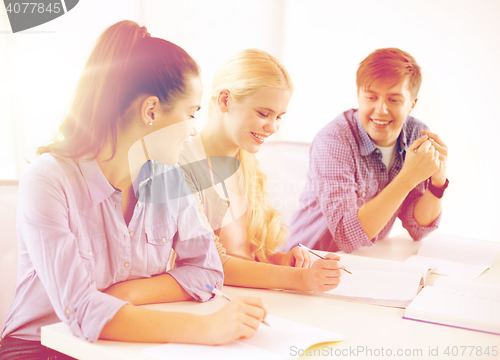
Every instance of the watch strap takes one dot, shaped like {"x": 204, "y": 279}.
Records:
{"x": 437, "y": 191}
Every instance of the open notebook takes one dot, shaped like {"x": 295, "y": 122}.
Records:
{"x": 453, "y": 255}
{"x": 377, "y": 281}
{"x": 280, "y": 341}
{"x": 459, "y": 302}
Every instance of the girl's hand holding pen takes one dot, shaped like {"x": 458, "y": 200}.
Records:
{"x": 238, "y": 319}
{"x": 324, "y": 274}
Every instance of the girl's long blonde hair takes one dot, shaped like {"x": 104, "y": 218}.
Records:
{"x": 244, "y": 74}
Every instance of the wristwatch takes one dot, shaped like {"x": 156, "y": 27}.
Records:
{"x": 438, "y": 191}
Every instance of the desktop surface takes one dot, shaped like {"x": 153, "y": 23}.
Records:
{"x": 370, "y": 331}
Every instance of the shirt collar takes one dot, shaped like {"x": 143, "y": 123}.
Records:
{"x": 368, "y": 146}
{"x": 403, "y": 145}
{"x": 99, "y": 187}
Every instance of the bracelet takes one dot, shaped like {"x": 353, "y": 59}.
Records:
{"x": 437, "y": 191}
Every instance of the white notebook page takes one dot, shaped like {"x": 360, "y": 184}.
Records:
{"x": 456, "y": 308}
{"x": 455, "y": 255}
{"x": 272, "y": 343}
{"x": 488, "y": 289}
{"x": 448, "y": 267}
{"x": 377, "y": 281}
{"x": 460, "y": 249}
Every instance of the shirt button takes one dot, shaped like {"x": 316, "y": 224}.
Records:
{"x": 67, "y": 312}
{"x": 163, "y": 239}
{"x": 90, "y": 253}
{"x": 126, "y": 264}
{"x": 139, "y": 204}
{"x": 377, "y": 151}
{"x": 131, "y": 234}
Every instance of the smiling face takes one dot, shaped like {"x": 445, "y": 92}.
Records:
{"x": 175, "y": 126}
{"x": 252, "y": 120}
{"x": 383, "y": 108}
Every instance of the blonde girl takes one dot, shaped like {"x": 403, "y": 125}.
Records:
{"x": 250, "y": 94}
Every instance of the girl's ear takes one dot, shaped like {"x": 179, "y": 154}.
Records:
{"x": 223, "y": 101}
{"x": 148, "y": 107}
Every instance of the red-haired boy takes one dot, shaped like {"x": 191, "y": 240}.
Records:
{"x": 371, "y": 165}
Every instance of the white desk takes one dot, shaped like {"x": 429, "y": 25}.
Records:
{"x": 363, "y": 326}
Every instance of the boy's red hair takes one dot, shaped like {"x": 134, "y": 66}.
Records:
{"x": 389, "y": 64}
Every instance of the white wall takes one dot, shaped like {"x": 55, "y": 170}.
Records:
{"x": 321, "y": 42}
{"x": 43, "y": 67}
{"x": 211, "y": 31}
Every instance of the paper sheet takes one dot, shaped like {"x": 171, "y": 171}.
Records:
{"x": 272, "y": 343}
{"x": 460, "y": 249}
{"x": 456, "y": 308}
{"x": 458, "y": 256}
{"x": 377, "y": 281}
{"x": 448, "y": 267}
{"x": 377, "y": 285}
{"x": 484, "y": 288}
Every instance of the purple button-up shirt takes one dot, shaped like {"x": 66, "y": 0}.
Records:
{"x": 345, "y": 172}
{"x": 74, "y": 242}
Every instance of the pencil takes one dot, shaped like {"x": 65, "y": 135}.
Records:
{"x": 320, "y": 256}
{"x": 220, "y": 293}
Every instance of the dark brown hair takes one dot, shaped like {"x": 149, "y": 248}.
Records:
{"x": 125, "y": 63}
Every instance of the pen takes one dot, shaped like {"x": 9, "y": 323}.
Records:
{"x": 320, "y": 256}
{"x": 220, "y": 293}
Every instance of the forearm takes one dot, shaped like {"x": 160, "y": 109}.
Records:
{"x": 157, "y": 289}
{"x": 427, "y": 209}
{"x": 376, "y": 213}
{"x": 253, "y": 274}
{"x": 276, "y": 258}
{"x": 137, "y": 324}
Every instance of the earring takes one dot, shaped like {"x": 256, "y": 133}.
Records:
{"x": 150, "y": 123}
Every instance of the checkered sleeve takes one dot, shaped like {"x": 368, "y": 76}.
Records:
{"x": 407, "y": 216}
{"x": 333, "y": 178}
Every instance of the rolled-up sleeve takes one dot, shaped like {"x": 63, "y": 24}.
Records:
{"x": 198, "y": 262}
{"x": 43, "y": 224}
{"x": 407, "y": 214}
{"x": 333, "y": 178}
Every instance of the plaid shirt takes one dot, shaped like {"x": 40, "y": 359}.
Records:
{"x": 345, "y": 172}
